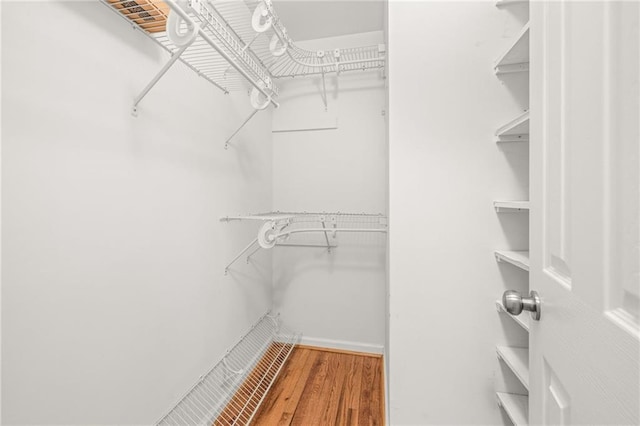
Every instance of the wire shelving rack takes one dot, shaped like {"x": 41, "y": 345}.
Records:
{"x": 230, "y": 51}
{"x": 294, "y": 229}
{"x": 231, "y": 392}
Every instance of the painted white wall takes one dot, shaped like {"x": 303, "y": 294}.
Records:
{"x": 445, "y": 171}
{"x": 0, "y": 218}
{"x": 312, "y": 19}
{"x": 335, "y": 299}
{"x": 114, "y": 299}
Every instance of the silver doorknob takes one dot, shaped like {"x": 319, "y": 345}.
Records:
{"x": 514, "y": 303}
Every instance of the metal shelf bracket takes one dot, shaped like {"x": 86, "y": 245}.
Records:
{"x": 244, "y": 123}
{"x": 174, "y": 57}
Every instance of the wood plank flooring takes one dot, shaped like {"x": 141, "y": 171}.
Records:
{"x": 319, "y": 387}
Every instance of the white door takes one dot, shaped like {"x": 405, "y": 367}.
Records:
{"x": 585, "y": 233}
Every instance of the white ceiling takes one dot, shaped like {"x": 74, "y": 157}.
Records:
{"x": 311, "y": 19}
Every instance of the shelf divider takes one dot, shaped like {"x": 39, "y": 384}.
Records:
{"x": 501, "y": 3}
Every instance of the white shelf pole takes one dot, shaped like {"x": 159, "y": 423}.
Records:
{"x": 304, "y": 230}
{"x": 326, "y": 237}
{"x": 174, "y": 57}
{"x": 244, "y": 123}
{"x": 244, "y": 250}
{"x": 324, "y": 94}
{"x": 252, "y": 253}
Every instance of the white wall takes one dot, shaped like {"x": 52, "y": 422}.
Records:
{"x": 335, "y": 299}
{"x": 445, "y": 171}
{"x": 0, "y": 219}
{"x": 114, "y": 300}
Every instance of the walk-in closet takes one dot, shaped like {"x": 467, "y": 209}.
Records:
{"x": 320, "y": 212}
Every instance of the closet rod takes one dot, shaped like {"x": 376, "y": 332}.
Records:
{"x": 304, "y": 230}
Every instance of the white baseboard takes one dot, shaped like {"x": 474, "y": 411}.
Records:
{"x": 342, "y": 345}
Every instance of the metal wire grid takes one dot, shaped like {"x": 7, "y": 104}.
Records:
{"x": 305, "y": 229}
{"x": 307, "y": 217}
{"x": 237, "y": 14}
{"x": 158, "y": 37}
{"x": 232, "y": 391}
{"x": 207, "y": 62}
{"x": 297, "y": 62}
{"x": 228, "y": 22}
{"x": 336, "y": 222}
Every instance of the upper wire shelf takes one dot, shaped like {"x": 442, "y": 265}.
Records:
{"x": 209, "y": 62}
{"x": 237, "y": 44}
{"x": 256, "y": 22}
{"x": 304, "y": 216}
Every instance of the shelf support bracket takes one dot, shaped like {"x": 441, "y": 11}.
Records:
{"x": 326, "y": 236}
{"x": 244, "y": 250}
{"x": 174, "y": 57}
{"x": 246, "y": 46}
{"x": 244, "y": 123}
{"x": 324, "y": 93}
{"x": 252, "y": 253}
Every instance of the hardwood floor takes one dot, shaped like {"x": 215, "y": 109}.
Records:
{"x": 319, "y": 387}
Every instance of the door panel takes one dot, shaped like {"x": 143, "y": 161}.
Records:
{"x": 585, "y": 237}
{"x": 557, "y": 403}
{"x": 623, "y": 290}
{"x": 557, "y": 232}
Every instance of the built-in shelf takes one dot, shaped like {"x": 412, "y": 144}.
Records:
{"x": 517, "y": 359}
{"x": 516, "y": 57}
{"x": 516, "y": 258}
{"x": 517, "y": 130}
{"x": 511, "y": 206}
{"x": 501, "y": 3}
{"x": 522, "y": 320}
{"x": 516, "y": 407}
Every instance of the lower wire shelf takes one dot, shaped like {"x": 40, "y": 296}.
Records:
{"x": 231, "y": 392}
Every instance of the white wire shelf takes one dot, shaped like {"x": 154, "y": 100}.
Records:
{"x": 519, "y": 259}
{"x": 521, "y": 320}
{"x": 307, "y": 63}
{"x": 517, "y": 359}
{"x": 516, "y": 57}
{"x": 288, "y": 229}
{"x": 258, "y": 216}
{"x": 298, "y": 62}
{"x": 517, "y": 130}
{"x": 231, "y": 392}
{"x": 506, "y": 206}
{"x": 159, "y": 26}
{"x": 516, "y": 407}
{"x": 229, "y": 51}
{"x": 305, "y": 216}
